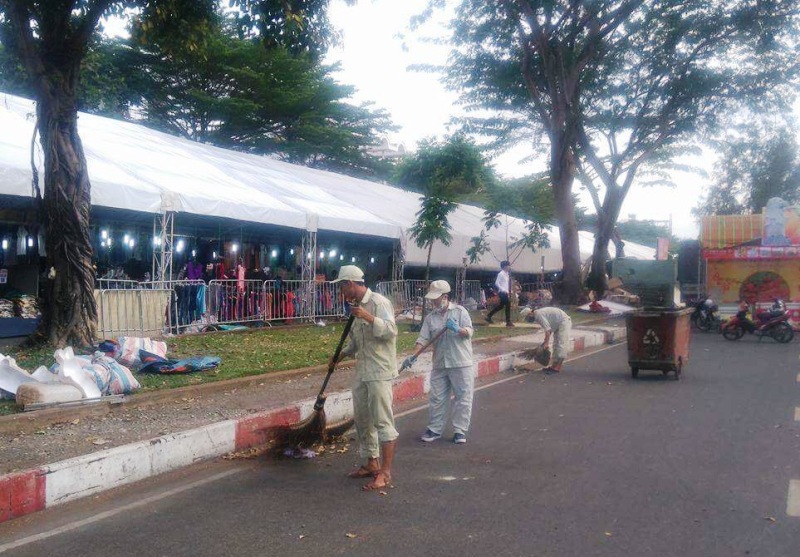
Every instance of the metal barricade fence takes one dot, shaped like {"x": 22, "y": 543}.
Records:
{"x": 232, "y": 301}
{"x": 156, "y": 308}
{"x": 329, "y": 301}
{"x": 396, "y": 291}
{"x": 416, "y": 290}
{"x": 286, "y": 300}
{"x": 132, "y": 312}
{"x": 116, "y": 284}
{"x": 534, "y": 286}
{"x": 186, "y": 305}
{"x": 468, "y": 294}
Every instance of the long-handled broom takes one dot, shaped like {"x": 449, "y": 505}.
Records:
{"x": 312, "y": 429}
{"x": 427, "y": 345}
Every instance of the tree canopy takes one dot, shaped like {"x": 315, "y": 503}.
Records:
{"x": 755, "y": 165}
{"x": 611, "y": 88}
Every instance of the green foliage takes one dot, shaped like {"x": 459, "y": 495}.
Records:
{"x": 235, "y": 93}
{"x": 451, "y": 169}
{"x": 644, "y": 232}
{"x": 529, "y": 199}
{"x": 431, "y": 224}
{"x": 443, "y": 172}
{"x": 758, "y": 163}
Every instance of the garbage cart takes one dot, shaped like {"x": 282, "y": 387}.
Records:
{"x": 658, "y": 338}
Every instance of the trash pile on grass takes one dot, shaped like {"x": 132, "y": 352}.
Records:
{"x": 105, "y": 372}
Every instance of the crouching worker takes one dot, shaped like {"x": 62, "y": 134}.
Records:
{"x": 554, "y": 322}
{"x": 373, "y": 339}
{"x": 452, "y": 363}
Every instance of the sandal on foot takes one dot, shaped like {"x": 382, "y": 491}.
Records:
{"x": 381, "y": 480}
{"x": 362, "y": 472}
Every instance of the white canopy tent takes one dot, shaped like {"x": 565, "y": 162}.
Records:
{"x": 133, "y": 167}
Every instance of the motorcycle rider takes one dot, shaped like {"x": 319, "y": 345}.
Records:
{"x": 741, "y": 314}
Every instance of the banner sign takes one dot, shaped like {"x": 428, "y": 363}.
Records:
{"x": 753, "y": 253}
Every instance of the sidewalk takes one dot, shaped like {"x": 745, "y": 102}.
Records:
{"x": 55, "y": 456}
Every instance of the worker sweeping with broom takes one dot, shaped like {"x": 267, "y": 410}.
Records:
{"x": 373, "y": 343}
{"x": 452, "y": 363}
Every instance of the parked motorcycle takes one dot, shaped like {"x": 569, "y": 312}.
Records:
{"x": 773, "y": 322}
{"x": 705, "y": 315}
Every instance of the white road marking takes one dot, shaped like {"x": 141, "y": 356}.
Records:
{"x": 797, "y": 414}
{"x": 793, "y": 500}
{"x": 108, "y": 514}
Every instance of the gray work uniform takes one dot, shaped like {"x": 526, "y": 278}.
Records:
{"x": 374, "y": 346}
{"x": 555, "y": 320}
{"x": 453, "y": 371}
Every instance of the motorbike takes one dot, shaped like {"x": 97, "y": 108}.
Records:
{"x": 773, "y": 322}
{"x": 705, "y": 315}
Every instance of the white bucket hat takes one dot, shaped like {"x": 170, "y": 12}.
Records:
{"x": 437, "y": 289}
{"x": 350, "y": 272}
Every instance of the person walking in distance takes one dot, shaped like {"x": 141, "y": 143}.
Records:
{"x": 452, "y": 363}
{"x": 554, "y": 322}
{"x": 373, "y": 339}
{"x": 503, "y": 285}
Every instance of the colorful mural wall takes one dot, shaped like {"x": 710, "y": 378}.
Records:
{"x": 754, "y": 257}
{"x": 727, "y": 282}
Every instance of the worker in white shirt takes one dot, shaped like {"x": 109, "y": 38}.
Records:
{"x": 503, "y": 284}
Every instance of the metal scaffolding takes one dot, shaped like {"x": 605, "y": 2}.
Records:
{"x": 163, "y": 238}
{"x": 461, "y": 279}
{"x": 399, "y": 259}
{"x": 308, "y": 268}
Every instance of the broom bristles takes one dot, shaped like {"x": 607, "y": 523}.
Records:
{"x": 302, "y": 434}
{"x": 540, "y": 354}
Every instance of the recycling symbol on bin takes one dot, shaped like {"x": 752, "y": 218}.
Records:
{"x": 651, "y": 343}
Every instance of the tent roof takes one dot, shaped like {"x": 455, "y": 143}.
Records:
{"x": 139, "y": 169}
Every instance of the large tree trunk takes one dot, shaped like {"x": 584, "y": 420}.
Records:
{"x": 562, "y": 173}
{"x": 70, "y": 311}
{"x": 606, "y": 221}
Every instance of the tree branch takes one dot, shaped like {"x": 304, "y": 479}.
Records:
{"x": 89, "y": 24}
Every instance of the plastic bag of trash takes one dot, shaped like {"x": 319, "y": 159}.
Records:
{"x": 12, "y": 377}
{"x": 120, "y": 379}
{"x": 70, "y": 370}
{"x": 130, "y": 347}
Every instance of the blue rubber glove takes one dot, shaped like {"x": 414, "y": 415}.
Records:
{"x": 408, "y": 362}
{"x": 452, "y": 325}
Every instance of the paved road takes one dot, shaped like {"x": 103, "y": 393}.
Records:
{"x": 590, "y": 463}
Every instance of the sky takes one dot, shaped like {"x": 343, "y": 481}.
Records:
{"x": 375, "y": 54}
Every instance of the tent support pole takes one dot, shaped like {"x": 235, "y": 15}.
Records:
{"x": 164, "y": 230}
{"x": 399, "y": 259}
{"x": 308, "y": 268}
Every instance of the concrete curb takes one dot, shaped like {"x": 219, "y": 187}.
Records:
{"x": 34, "y": 490}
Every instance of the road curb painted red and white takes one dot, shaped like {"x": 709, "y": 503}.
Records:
{"x": 34, "y": 490}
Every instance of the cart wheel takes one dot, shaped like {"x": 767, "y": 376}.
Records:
{"x": 678, "y": 368}
{"x": 634, "y": 372}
